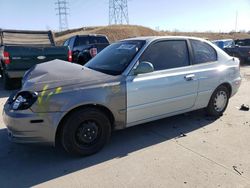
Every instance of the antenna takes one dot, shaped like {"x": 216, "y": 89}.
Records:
{"x": 62, "y": 12}
{"x": 118, "y": 12}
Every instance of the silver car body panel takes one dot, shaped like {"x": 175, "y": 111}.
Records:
{"x": 63, "y": 87}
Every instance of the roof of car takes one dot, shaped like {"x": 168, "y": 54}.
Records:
{"x": 222, "y": 40}
{"x": 152, "y": 38}
{"x": 92, "y": 35}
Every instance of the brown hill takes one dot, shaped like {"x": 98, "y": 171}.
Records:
{"x": 114, "y": 33}
{"x": 118, "y": 32}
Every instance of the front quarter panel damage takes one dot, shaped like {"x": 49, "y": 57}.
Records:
{"x": 111, "y": 95}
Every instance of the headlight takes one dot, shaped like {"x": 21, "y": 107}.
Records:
{"x": 24, "y": 100}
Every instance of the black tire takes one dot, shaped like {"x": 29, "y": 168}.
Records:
{"x": 85, "y": 132}
{"x": 7, "y": 81}
{"x": 218, "y": 102}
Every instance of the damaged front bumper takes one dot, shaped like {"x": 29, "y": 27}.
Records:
{"x": 28, "y": 127}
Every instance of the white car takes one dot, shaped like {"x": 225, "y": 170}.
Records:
{"x": 130, "y": 82}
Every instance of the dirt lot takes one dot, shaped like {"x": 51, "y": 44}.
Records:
{"x": 189, "y": 150}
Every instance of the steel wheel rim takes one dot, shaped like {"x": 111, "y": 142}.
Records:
{"x": 87, "y": 133}
{"x": 220, "y": 101}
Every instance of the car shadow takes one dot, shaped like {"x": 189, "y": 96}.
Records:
{"x": 29, "y": 165}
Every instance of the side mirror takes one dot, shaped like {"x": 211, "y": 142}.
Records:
{"x": 144, "y": 67}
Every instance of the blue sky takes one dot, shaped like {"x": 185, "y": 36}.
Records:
{"x": 182, "y": 15}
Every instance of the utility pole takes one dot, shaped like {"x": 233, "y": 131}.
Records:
{"x": 236, "y": 21}
{"x": 118, "y": 12}
{"x": 62, "y": 12}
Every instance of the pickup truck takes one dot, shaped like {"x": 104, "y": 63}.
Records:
{"x": 21, "y": 50}
{"x": 85, "y": 47}
{"x": 240, "y": 49}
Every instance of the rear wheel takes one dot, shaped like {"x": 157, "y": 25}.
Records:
{"x": 218, "y": 102}
{"x": 85, "y": 132}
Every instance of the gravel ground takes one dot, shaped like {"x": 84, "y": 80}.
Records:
{"x": 189, "y": 150}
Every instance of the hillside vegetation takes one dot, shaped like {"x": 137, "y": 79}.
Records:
{"x": 118, "y": 32}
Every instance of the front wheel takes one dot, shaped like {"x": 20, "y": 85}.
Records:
{"x": 85, "y": 132}
{"x": 218, "y": 102}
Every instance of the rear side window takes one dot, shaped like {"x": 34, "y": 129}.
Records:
{"x": 203, "y": 52}
{"x": 167, "y": 54}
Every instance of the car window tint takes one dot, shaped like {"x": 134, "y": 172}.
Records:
{"x": 82, "y": 40}
{"x": 167, "y": 54}
{"x": 243, "y": 42}
{"x": 203, "y": 52}
{"x": 98, "y": 40}
{"x": 115, "y": 58}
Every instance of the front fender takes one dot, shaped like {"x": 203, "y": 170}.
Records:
{"x": 111, "y": 96}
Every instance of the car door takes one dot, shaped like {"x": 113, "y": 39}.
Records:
{"x": 172, "y": 87}
{"x": 207, "y": 70}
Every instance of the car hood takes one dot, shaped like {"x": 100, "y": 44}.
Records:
{"x": 58, "y": 73}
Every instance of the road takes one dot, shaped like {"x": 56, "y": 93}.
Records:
{"x": 190, "y": 150}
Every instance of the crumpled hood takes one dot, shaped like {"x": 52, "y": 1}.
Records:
{"x": 58, "y": 73}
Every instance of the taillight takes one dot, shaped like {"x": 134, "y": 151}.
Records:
{"x": 70, "y": 58}
{"x": 93, "y": 52}
{"x": 6, "y": 58}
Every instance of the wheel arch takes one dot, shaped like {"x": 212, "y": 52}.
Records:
{"x": 102, "y": 108}
{"x": 228, "y": 86}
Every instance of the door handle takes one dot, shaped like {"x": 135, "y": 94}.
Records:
{"x": 189, "y": 77}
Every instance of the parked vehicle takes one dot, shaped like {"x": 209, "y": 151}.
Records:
{"x": 130, "y": 82}
{"x": 224, "y": 43}
{"x": 20, "y": 50}
{"x": 85, "y": 47}
{"x": 240, "y": 49}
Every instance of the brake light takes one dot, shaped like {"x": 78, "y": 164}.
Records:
{"x": 93, "y": 52}
{"x": 70, "y": 58}
{"x": 6, "y": 58}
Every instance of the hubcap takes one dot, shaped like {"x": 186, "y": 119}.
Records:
{"x": 87, "y": 132}
{"x": 220, "y": 101}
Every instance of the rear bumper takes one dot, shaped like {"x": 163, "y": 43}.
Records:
{"x": 236, "y": 85}
{"x": 28, "y": 127}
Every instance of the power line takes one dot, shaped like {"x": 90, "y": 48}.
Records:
{"x": 62, "y": 12}
{"x": 118, "y": 12}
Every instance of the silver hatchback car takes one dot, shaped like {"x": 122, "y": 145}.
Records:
{"x": 131, "y": 82}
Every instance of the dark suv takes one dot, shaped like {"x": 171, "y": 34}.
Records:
{"x": 85, "y": 47}
{"x": 240, "y": 49}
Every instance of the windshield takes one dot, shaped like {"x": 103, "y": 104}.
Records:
{"x": 115, "y": 58}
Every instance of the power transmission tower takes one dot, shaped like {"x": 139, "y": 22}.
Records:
{"x": 62, "y": 12}
{"x": 118, "y": 12}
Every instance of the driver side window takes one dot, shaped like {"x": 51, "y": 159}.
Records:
{"x": 167, "y": 54}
